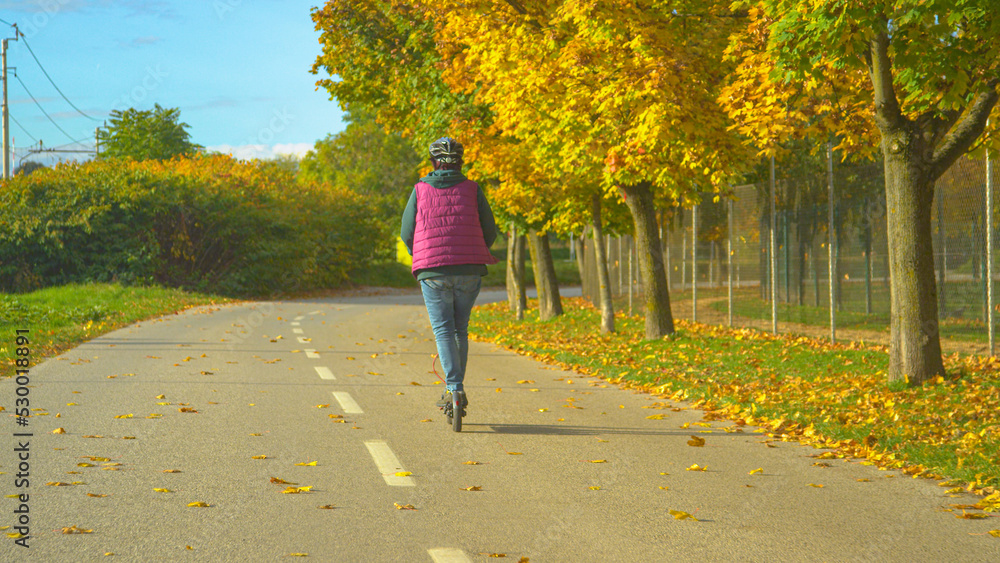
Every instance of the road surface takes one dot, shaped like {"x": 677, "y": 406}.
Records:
{"x": 336, "y": 398}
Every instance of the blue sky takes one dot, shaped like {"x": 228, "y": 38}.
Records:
{"x": 237, "y": 69}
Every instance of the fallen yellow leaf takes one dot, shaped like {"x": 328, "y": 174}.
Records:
{"x": 199, "y": 504}
{"x": 404, "y": 506}
{"x": 403, "y": 474}
{"x": 472, "y": 488}
{"x": 696, "y": 441}
{"x": 697, "y": 467}
{"x": 278, "y": 481}
{"x": 681, "y": 515}
{"x": 75, "y": 530}
{"x": 59, "y": 431}
{"x": 296, "y": 490}
{"x": 815, "y": 485}
{"x": 756, "y": 471}
{"x": 310, "y": 464}
{"x": 471, "y": 463}
{"x": 163, "y": 490}
{"x": 95, "y": 495}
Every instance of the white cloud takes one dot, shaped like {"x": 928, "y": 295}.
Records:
{"x": 298, "y": 149}
{"x": 247, "y": 152}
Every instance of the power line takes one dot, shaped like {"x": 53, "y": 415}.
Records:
{"x": 43, "y": 109}
{"x": 18, "y": 123}
{"x": 6, "y": 22}
{"x": 25, "y": 40}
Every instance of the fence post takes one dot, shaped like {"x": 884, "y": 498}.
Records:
{"x": 989, "y": 250}
{"x": 832, "y": 240}
{"x": 684, "y": 247}
{"x": 621, "y": 262}
{"x": 694, "y": 264}
{"x": 630, "y": 247}
{"x": 774, "y": 258}
{"x": 729, "y": 258}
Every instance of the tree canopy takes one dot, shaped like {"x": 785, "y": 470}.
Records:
{"x": 155, "y": 134}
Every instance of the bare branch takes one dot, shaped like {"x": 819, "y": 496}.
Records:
{"x": 887, "y": 112}
{"x": 966, "y": 131}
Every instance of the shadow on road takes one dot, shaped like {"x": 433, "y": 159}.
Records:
{"x": 561, "y": 430}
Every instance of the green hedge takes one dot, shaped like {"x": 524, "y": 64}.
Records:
{"x": 205, "y": 223}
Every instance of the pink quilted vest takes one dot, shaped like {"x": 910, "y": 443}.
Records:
{"x": 448, "y": 231}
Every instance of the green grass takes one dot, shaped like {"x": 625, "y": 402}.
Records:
{"x": 58, "y": 318}
{"x": 807, "y": 389}
{"x": 964, "y": 303}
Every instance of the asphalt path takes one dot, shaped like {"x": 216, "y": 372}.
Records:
{"x": 336, "y": 398}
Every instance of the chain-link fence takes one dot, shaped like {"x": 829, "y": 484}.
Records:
{"x": 721, "y": 259}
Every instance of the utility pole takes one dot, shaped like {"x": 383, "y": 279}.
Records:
{"x": 6, "y": 109}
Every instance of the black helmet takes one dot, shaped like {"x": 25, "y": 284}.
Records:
{"x": 446, "y": 150}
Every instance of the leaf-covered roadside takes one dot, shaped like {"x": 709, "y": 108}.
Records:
{"x": 798, "y": 388}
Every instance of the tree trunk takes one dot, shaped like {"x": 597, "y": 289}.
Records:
{"x": 511, "y": 284}
{"x": 521, "y": 305}
{"x": 579, "y": 249}
{"x": 549, "y": 303}
{"x": 603, "y": 276}
{"x": 915, "y": 345}
{"x": 659, "y": 320}
{"x": 516, "y": 298}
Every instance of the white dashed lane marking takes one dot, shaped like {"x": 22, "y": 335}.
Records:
{"x": 315, "y": 312}
{"x": 347, "y": 402}
{"x": 311, "y": 353}
{"x": 300, "y": 317}
{"x": 297, "y": 330}
{"x": 303, "y": 339}
{"x": 296, "y": 323}
{"x": 388, "y": 465}
{"x": 448, "y": 555}
{"x": 324, "y": 372}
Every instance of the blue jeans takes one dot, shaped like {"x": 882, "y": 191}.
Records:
{"x": 449, "y": 301}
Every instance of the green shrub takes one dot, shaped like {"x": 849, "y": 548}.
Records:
{"x": 206, "y": 223}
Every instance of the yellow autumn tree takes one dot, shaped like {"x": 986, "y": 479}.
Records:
{"x": 622, "y": 93}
